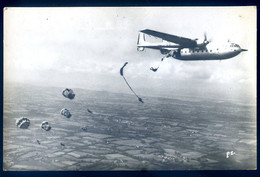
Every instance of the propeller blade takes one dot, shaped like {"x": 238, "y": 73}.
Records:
{"x": 206, "y": 41}
{"x": 205, "y": 36}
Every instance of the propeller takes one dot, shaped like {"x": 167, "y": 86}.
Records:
{"x": 206, "y": 41}
{"x": 205, "y": 36}
{"x": 203, "y": 43}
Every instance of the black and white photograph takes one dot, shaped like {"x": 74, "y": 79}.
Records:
{"x": 130, "y": 88}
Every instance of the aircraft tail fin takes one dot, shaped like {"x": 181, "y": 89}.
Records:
{"x": 141, "y": 41}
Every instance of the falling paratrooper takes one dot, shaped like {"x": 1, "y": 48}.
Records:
{"x": 68, "y": 93}
{"x": 90, "y": 111}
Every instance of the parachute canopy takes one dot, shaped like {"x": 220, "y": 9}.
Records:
{"x": 45, "y": 126}
{"x": 122, "y": 74}
{"x": 65, "y": 112}
{"x": 68, "y": 93}
{"x": 23, "y": 123}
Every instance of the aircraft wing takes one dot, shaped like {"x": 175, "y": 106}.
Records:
{"x": 183, "y": 42}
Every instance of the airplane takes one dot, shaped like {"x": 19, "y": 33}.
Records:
{"x": 182, "y": 48}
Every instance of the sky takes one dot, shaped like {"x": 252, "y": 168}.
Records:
{"x": 86, "y": 47}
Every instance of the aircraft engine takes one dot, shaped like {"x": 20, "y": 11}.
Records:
{"x": 140, "y": 48}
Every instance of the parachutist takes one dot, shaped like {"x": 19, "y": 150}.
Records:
{"x": 90, "y": 111}
{"x": 140, "y": 99}
{"x": 154, "y": 69}
{"x": 38, "y": 142}
{"x": 84, "y": 128}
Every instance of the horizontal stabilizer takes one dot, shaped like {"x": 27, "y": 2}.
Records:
{"x": 140, "y": 42}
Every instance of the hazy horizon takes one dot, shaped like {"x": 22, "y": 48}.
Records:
{"x": 175, "y": 94}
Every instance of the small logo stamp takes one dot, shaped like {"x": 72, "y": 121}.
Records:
{"x": 230, "y": 153}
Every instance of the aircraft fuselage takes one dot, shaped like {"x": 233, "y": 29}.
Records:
{"x": 209, "y": 53}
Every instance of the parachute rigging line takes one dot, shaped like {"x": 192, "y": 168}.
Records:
{"x": 155, "y": 69}
{"x": 122, "y": 74}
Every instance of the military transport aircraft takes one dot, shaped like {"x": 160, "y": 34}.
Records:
{"x": 187, "y": 49}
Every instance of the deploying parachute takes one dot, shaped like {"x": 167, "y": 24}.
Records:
{"x": 23, "y": 123}
{"x": 68, "y": 93}
{"x": 155, "y": 69}
{"x": 122, "y": 74}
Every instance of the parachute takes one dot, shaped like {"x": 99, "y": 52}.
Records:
{"x": 65, "y": 112}
{"x": 23, "y": 123}
{"x": 122, "y": 74}
{"x": 45, "y": 126}
{"x": 68, "y": 93}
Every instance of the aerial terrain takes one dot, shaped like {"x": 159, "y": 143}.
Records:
{"x": 113, "y": 131}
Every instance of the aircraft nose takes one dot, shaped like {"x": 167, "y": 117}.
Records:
{"x": 243, "y": 50}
